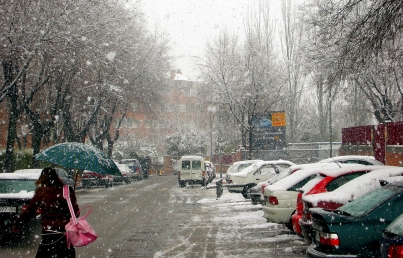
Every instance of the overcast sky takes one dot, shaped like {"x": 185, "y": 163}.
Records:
{"x": 190, "y": 23}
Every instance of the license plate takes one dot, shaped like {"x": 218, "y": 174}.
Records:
{"x": 8, "y": 209}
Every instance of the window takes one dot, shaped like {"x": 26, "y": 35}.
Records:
{"x": 186, "y": 165}
{"x": 266, "y": 170}
{"x": 369, "y": 201}
{"x": 339, "y": 181}
{"x": 282, "y": 167}
{"x": 17, "y": 185}
{"x": 301, "y": 183}
{"x": 196, "y": 164}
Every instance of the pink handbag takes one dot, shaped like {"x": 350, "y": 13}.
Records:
{"x": 78, "y": 231}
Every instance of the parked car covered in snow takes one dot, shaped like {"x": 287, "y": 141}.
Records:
{"x": 355, "y": 229}
{"x": 127, "y": 173}
{"x": 259, "y": 172}
{"x": 135, "y": 166}
{"x": 16, "y": 190}
{"x": 329, "y": 181}
{"x": 239, "y": 166}
{"x": 392, "y": 238}
{"x": 281, "y": 197}
{"x": 352, "y": 189}
{"x": 256, "y": 193}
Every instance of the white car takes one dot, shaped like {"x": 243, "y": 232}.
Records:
{"x": 259, "y": 172}
{"x": 238, "y": 166}
{"x": 281, "y": 196}
{"x": 127, "y": 174}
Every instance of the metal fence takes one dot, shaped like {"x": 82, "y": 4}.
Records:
{"x": 298, "y": 152}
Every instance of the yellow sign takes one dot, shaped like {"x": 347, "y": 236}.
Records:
{"x": 278, "y": 119}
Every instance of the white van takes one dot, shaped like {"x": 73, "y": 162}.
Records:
{"x": 192, "y": 170}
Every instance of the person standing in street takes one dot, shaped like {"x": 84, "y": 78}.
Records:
{"x": 49, "y": 202}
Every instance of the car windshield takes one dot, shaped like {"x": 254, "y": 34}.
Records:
{"x": 16, "y": 185}
{"x": 367, "y": 202}
{"x": 396, "y": 227}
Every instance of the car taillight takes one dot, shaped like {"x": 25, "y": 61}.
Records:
{"x": 306, "y": 212}
{"x": 137, "y": 169}
{"x": 330, "y": 239}
{"x": 179, "y": 175}
{"x": 203, "y": 173}
{"x": 24, "y": 207}
{"x": 299, "y": 207}
{"x": 395, "y": 251}
{"x": 273, "y": 200}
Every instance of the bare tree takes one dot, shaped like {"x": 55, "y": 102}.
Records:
{"x": 245, "y": 75}
{"x": 292, "y": 55}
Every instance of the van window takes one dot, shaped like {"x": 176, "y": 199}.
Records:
{"x": 196, "y": 164}
{"x": 186, "y": 165}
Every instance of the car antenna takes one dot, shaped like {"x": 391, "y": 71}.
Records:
{"x": 338, "y": 164}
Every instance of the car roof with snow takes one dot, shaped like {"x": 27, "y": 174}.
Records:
{"x": 285, "y": 173}
{"x": 29, "y": 171}
{"x": 246, "y": 161}
{"x": 353, "y": 159}
{"x": 235, "y": 166}
{"x": 257, "y": 165}
{"x": 294, "y": 178}
{"x": 358, "y": 186}
{"x": 347, "y": 168}
{"x": 30, "y": 175}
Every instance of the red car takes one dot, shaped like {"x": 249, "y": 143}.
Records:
{"x": 326, "y": 181}
{"x": 90, "y": 178}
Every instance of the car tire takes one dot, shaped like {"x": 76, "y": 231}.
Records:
{"x": 289, "y": 223}
{"x": 245, "y": 191}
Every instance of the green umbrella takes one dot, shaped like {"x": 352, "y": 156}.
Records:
{"x": 81, "y": 156}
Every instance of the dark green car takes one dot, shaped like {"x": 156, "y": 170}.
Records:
{"x": 355, "y": 229}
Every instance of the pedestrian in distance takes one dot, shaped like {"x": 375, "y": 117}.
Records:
{"x": 48, "y": 201}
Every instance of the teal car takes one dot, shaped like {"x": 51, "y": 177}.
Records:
{"x": 355, "y": 229}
